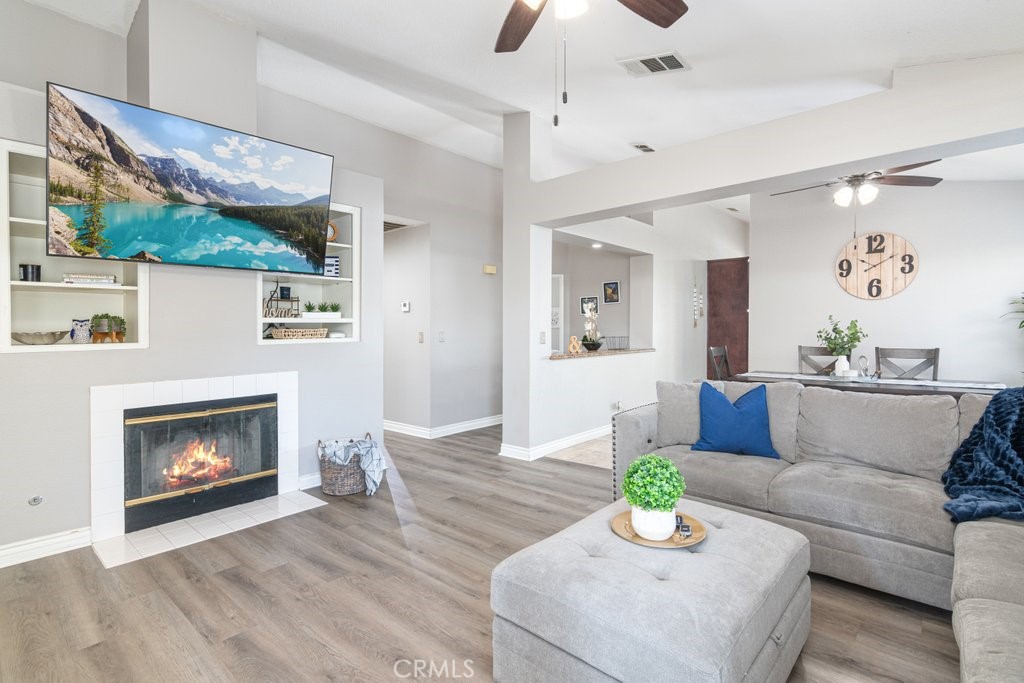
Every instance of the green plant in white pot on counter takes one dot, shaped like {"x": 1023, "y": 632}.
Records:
{"x": 841, "y": 341}
{"x": 652, "y": 486}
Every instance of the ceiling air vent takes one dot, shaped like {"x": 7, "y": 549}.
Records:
{"x": 655, "y": 64}
{"x": 389, "y": 226}
{"x": 642, "y": 147}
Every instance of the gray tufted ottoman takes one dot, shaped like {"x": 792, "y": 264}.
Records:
{"x": 586, "y": 605}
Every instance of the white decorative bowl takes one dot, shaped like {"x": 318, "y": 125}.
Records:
{"x": 39, "y": 337}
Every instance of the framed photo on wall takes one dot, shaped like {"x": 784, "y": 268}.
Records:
{"x": 584, "y": 300}
{"x": 611, "y": 292}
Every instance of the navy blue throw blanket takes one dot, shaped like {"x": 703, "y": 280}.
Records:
{"x": 986, "y": 473}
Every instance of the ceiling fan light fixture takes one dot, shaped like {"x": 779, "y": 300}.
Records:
{"x": 867, "y": 193}
{"x": 570, "y": 9}
{"x": 843, "y": 196}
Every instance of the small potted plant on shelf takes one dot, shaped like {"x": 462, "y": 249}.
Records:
{"x": 652, "y": 486}
{"x": 841, "y": 341}
{"x": 118, "y": 327}
{"x": 322, "y": 311}
{"x": 100, "y": 323}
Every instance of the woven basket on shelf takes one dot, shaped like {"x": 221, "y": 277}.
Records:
{"x": 296, "y": 333}
{"x": 340, "y": 480}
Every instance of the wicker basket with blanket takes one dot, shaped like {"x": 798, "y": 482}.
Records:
{"x": 337, "y": 479}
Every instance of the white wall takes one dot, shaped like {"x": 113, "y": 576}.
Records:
{"x": 970, "y": 243}
{"x": 406, "y": 274}
{"x": 580, "y": 396}
{"x": 461, "y": 200}
{"x": 586, "y": 270}
{"x": 37, "y": 45}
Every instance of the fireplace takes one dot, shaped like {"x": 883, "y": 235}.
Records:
{"x": 186, "y": 459}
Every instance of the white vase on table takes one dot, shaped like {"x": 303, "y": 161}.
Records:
{"x": 842, "y": 365}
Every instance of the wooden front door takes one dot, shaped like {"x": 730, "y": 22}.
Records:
{"x": 728, "y": 301}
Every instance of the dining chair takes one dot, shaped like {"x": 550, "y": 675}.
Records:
{"x": 929, "y": 359}
{"x": 719, "y": 356}
{"x": 806, "y": 355}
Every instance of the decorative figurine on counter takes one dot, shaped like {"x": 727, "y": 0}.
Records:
{"x": 575, "y": 346}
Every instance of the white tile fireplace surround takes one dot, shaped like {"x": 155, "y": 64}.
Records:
{"x": 108, "y": 404}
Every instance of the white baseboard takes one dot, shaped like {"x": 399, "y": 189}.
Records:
{"x": 535, "y": 452}
{"x": 309, "y": 481}
{"x": 409, "y": 430}
{"x": 444, "y": 430}
{"x": 44, "y": 546}
{"x": 517, "y": 452}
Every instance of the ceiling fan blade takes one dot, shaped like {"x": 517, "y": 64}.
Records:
{"x": 664, "y": 13}
{"x": 908, "y": 180}
{"x": 776, "y": 194}
{"x": 908, "y": 167}
{"x": 517, "y": 26}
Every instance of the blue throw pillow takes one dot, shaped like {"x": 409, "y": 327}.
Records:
{"x": 740, "y": 428}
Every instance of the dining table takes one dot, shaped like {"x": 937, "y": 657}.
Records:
{"x": 873, "y": 385}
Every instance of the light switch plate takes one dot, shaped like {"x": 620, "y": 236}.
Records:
{"x": 406, "y": 307}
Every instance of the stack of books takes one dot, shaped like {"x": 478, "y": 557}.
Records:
{"x": 89, "y": 279}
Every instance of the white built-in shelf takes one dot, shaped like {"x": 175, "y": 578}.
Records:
{"x": 112, "y": 289}
{"x": 46, "y": 306}
{"x": 325, "y": 340}
{"x": 300, "y": 277}
{"x": 68, "y": 345}
{"x": 319, "y": 289}
{"x": 305, "y": 321}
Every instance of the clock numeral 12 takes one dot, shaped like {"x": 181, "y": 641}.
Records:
{"x": 876, "y": 244}
{"x": 908, "y": 264}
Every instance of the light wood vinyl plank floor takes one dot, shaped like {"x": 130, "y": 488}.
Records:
{"x": 342, "y": 592}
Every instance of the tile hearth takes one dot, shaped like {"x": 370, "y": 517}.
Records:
{"x": 107, "y": 406}
{"x": 166, "y": 537}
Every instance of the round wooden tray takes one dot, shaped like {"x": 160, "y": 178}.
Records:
{"x": 622, "y": 528}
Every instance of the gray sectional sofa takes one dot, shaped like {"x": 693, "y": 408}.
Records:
{"x": 859, "y": 476}
{"x": 988, "y": 600}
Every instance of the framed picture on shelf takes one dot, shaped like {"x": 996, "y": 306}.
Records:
{"x": 584, "y": 300}
{"x": 332, "y": 266}
{"x": 611, "y": 292}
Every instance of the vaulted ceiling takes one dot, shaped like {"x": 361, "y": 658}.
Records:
{"x": 427, "y": 68}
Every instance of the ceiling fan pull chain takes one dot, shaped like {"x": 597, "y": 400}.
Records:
{"x": 556, "y": 74}
{"x": 565, "y": 66}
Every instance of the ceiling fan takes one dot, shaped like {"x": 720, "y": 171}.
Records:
{"x": 524, "y": 14}
{"x": 865, "y": 185}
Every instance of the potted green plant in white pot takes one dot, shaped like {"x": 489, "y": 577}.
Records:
{"x": 652, "y": 486}
{"x": 841, "y": 341}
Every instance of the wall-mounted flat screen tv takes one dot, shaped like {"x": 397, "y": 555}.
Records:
{"x": 128, "y": 182}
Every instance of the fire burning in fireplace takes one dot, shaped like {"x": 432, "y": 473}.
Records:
{"x": 197, "y": 465}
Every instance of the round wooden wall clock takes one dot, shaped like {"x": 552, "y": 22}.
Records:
{"x": 876, "y": 265}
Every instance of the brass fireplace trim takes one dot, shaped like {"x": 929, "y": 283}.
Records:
{"x": 199, "y": 489}
{"x": 198, "y": 413}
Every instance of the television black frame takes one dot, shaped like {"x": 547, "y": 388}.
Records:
{"x": 330, "y": 193}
